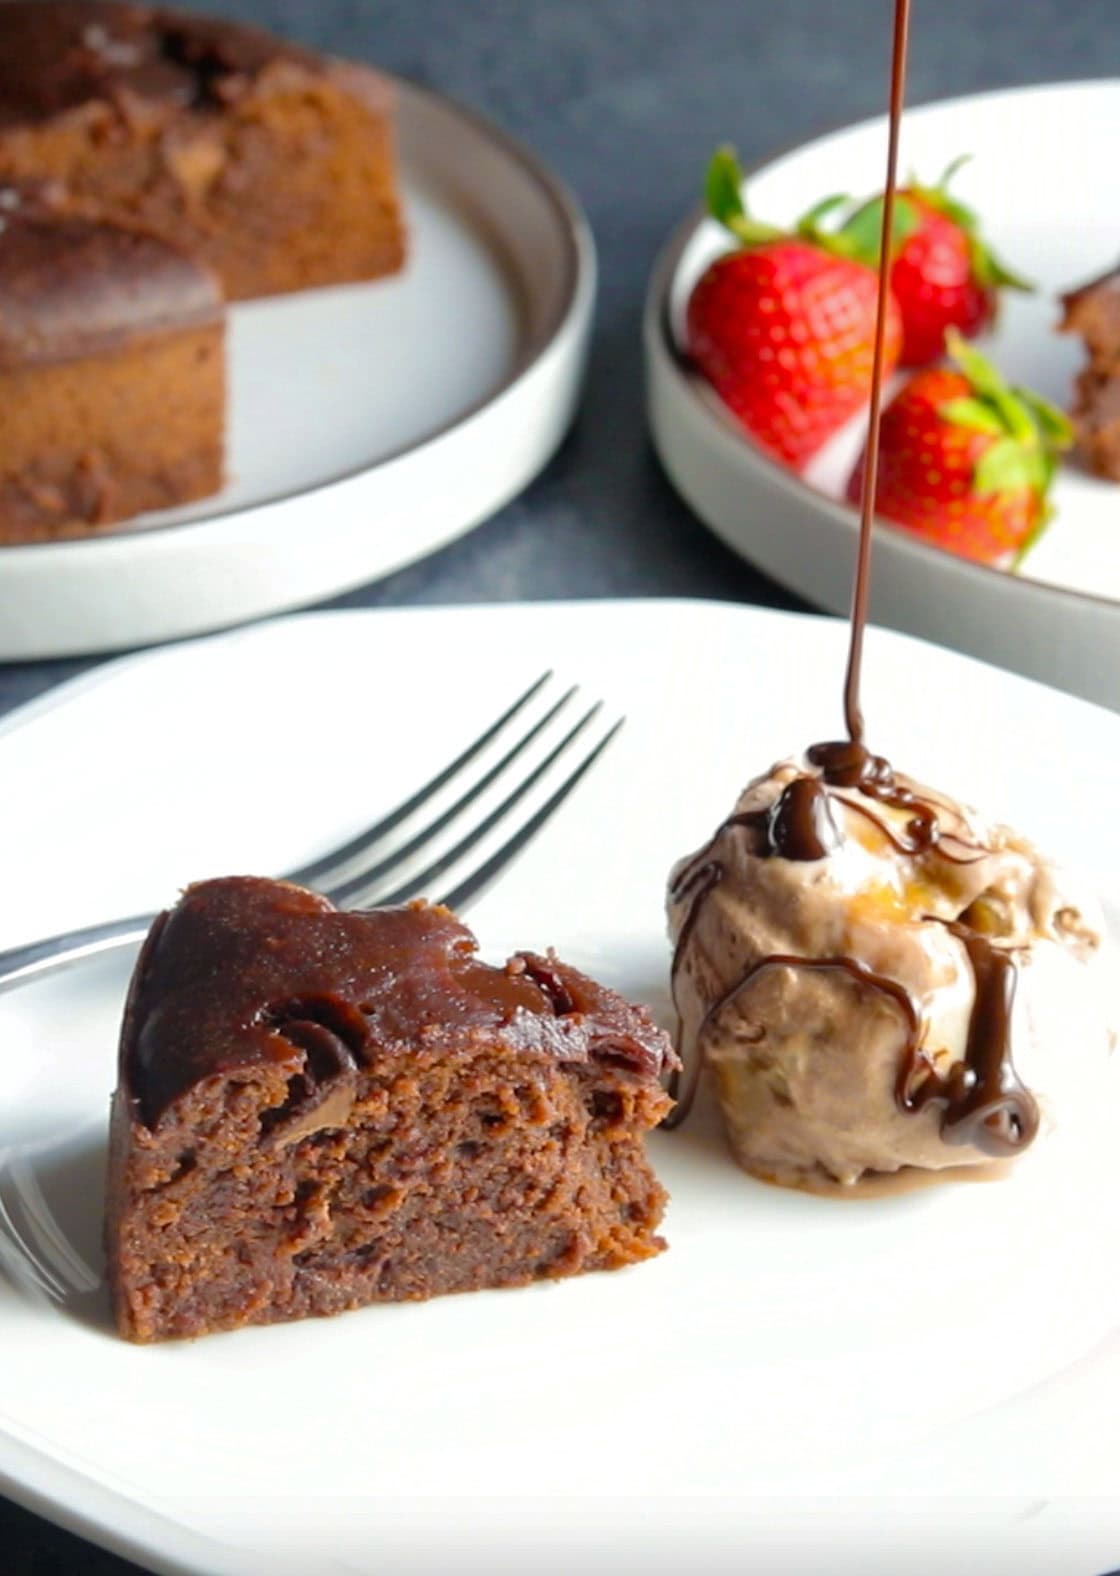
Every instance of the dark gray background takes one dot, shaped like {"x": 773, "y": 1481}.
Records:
{"x": 625, "y": 99}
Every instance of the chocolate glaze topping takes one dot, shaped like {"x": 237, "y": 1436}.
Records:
{"x": 982, "y": 1099}
{"x": 243, "y": 972}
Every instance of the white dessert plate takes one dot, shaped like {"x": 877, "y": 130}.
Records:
{"x": 369, "y": 424}
{"x": 1043, "y": 177}
{"x": 928, "y": 1381}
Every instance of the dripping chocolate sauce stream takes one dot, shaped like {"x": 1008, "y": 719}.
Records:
{"x": 805, "y": 818}
{"x": 983, "y": 1101}
{"x": 853, "y": 714}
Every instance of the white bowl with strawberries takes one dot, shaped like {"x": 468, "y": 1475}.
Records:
{"x": 996, "y": 535}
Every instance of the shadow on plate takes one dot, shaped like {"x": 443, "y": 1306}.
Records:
{"x": 51, "y": 1206}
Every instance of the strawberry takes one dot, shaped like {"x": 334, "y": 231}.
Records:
{"x": 784, "y": 327}
{"x": 943, "y": 274}
{"x": 966, "y": 461}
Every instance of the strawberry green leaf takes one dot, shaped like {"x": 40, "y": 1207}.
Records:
{"x": 1028, "y": 430}
{"x": 810, "y": 220}
{"x": 951, "y": 169}
{"x": 1055, "y": 427}
{"x": 723, "y": 187}
{"x": 991, "y": 273}
{"x": 937, "y": 197}
{"x": 1021, "y": 414}
{"x": 1049, "y": 470}
{"x": 1019, "y": 422}
{"x": 964, "y": 217}
{"x": 750, "y": 232}
{"x": 990, "y": 385}
{"x": 973, "y": 413}
{"x": 988, "y": 270}
{"x": 862, "y": 231}
{"x": 723, "y": 191}
{"x": 1009, "y": 466}
{"x": 979, "y": 371}
{"x": 809, "y": 228}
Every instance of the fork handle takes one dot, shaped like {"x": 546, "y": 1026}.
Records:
{"x": 21, "y": 965}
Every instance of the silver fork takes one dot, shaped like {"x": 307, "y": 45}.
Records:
{"x": 358, "y": 874}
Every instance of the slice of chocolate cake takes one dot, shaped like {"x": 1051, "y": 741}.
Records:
{"x": 317, "y": 1110}
{"x": 1093, "y": 311}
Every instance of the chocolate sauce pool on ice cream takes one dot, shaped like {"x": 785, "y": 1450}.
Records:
{"x": 874, "y": 976}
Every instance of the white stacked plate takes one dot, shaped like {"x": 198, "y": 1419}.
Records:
{"x": 369, "y": 424}
{"x": 927, "y": 1382}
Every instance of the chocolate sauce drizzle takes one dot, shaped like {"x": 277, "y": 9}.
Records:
{"x": 982, "y": 1100}
{"x": 982, "y": 1097}
{"x": 800, "y": 825}
{"x": 848, "y": 764}
{"x": 863, "y": 976}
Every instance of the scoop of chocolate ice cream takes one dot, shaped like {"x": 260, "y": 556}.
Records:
{"x": 868, "y": 970}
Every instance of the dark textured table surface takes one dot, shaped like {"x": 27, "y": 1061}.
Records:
{"x": 625, "y": 98}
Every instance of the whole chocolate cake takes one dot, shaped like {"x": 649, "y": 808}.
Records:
{"x": 317, "y": 1110}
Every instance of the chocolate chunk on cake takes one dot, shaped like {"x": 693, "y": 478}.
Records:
{"x": 317, "y": 1110}
{"x": 269, "y": 163}
{"x": 1093, "y": 311}
{"x": 112, "y": 373}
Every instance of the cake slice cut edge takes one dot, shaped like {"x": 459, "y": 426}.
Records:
{"x": 319, "y": 1110}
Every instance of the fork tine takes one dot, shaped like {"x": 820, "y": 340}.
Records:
{"x": 367, "y": 878}
{"x": 312, "y": 874}
{"x": 474, "y": 885}
{"x": 22, "y": 964}
{"x": 360, "y": 893}
{"x": 59, "y": 1253}
{"x": 21, "y": 1273}
{"x": 19, "y": 1256}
